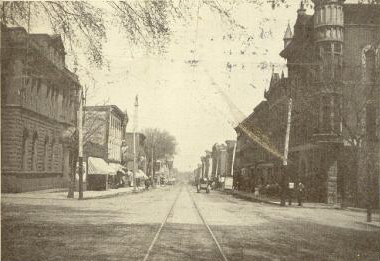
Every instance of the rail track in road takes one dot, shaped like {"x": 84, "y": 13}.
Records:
{"x": 165, "y": 220}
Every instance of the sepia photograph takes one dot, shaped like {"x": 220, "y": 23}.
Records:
{"x": 190, "y": 130}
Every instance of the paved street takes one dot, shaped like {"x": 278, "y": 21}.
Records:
{"x": 123, "y": 228}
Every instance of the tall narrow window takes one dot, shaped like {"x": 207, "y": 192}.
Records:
{"x": 46, "y": 154}
{"x": 370, "y": 66}
{"x": 52, "y": 155}
{"x": 34, "y": 151}
{"x": 24, "y": 157}
{"x": 326, "y": 114}
{"x": 323, "y": 10}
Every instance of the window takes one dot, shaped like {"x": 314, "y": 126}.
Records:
{"x": 337, "y": 47}
{"x": 52, "y": 155}
{"x": 45, "y": 157}
{"x": 369, "y": 74}
{"x": 324, "y": 15}
{"x": 326, "y": 114}
{"x": 24, "y": 158}
{"x": 34, "y": 151}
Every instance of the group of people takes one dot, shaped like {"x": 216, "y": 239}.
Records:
{"x": 300, "y": 190}
{"x": 274, "y": 190}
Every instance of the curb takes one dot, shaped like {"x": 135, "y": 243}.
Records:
{"x": 253, "y": 199}
{"x": 370, "y": 224}
{"x": 117, "y": 194}
{"x": 114, "y": 195}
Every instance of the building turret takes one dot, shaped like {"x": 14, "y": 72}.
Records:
{"x": 328, "y": 35}
{"x": 288, "y": 36}
{"x": 301, "y": 10}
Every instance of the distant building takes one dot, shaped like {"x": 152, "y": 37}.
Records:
{"x": 103, "y": 138}
{"x": 333, "y": 71}
{"x": 39, "y": 98}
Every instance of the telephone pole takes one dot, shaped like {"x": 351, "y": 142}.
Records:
{"x": 286, "y": 150}
{"x": 134, "y": 142}
{"x": 80, "y": 143}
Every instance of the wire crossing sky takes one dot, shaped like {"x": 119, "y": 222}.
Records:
{"x": 208, "y": 63}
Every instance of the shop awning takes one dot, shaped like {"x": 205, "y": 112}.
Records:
{"x": 140, "y": 174}
{"x": 117, "y": 167}
{"x": 97, "y": 166}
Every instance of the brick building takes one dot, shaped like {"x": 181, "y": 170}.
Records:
{"x": 333, "y": 71}
{"x": 38, "y": 104}
{"x": 103, "y": 138}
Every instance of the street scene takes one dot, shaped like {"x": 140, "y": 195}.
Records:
{"x": 67, "y": 230}
{"x": 190, "y": 130}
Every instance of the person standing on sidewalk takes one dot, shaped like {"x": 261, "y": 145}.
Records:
{"x": 300, "y": 193}
{"x": 290, "y": 192}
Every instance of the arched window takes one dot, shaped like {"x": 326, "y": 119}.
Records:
{"x": 34, "y": 151}
{"x": 323, "y": 15}
{"x": 24, "y": 157}
{"x": 46, "y": 154}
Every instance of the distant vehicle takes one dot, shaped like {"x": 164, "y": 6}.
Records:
{"x": 205, "y": 184}
{"x": 171, "y": 181}
{"x": 201, "y": 182}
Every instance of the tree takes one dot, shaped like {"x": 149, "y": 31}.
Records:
{"x": 80, "y": 23}
{"x": 158, "y": 145}
{"x": 94, "y": 129}
{"x": 146, "y": 23}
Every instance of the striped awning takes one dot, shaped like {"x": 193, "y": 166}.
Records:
{"x": 140, "y": 175}
{"x": 117, "y": 167}
{"x": 97, "y": 166}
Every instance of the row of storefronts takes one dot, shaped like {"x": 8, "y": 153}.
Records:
{"x": 217, "y": 165}
{"x": 39, "y": 104}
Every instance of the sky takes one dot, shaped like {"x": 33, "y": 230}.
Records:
{"x": 194, "y": 103}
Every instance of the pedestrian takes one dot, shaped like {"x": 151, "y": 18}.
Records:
{"x": 301, "y": 193}
{"x": 290, "y": 192}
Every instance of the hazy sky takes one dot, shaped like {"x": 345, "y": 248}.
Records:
{"x": 188, "y": 100}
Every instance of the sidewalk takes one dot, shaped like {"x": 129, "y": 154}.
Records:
{"x": 61, "y": 194}
{"x": 311, "y": 205}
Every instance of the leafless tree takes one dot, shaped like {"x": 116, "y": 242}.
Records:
{"x": 158, "y": 144}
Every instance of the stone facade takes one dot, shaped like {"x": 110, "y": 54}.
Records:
{"x": 333, "y": 70}
{"x": 39, "y": 102}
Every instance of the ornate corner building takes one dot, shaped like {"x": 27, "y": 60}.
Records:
{"x": 39, "y": 100}
{"x": 333, "y": 73}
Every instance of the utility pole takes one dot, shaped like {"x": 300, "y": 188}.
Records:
{"x": 152, "y": 165}
{"x": 233, "y": 159}
{"x": 371, "y": 154}
{"x": 80, "y": 143}
{"x": 134, "y": 143}
{"x": 286, "y": 150}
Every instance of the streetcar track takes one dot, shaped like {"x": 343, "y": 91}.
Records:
{"x": 162, "y": 225}
{"x": 157, "y": 235}
{"x": 208, "y": 227}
